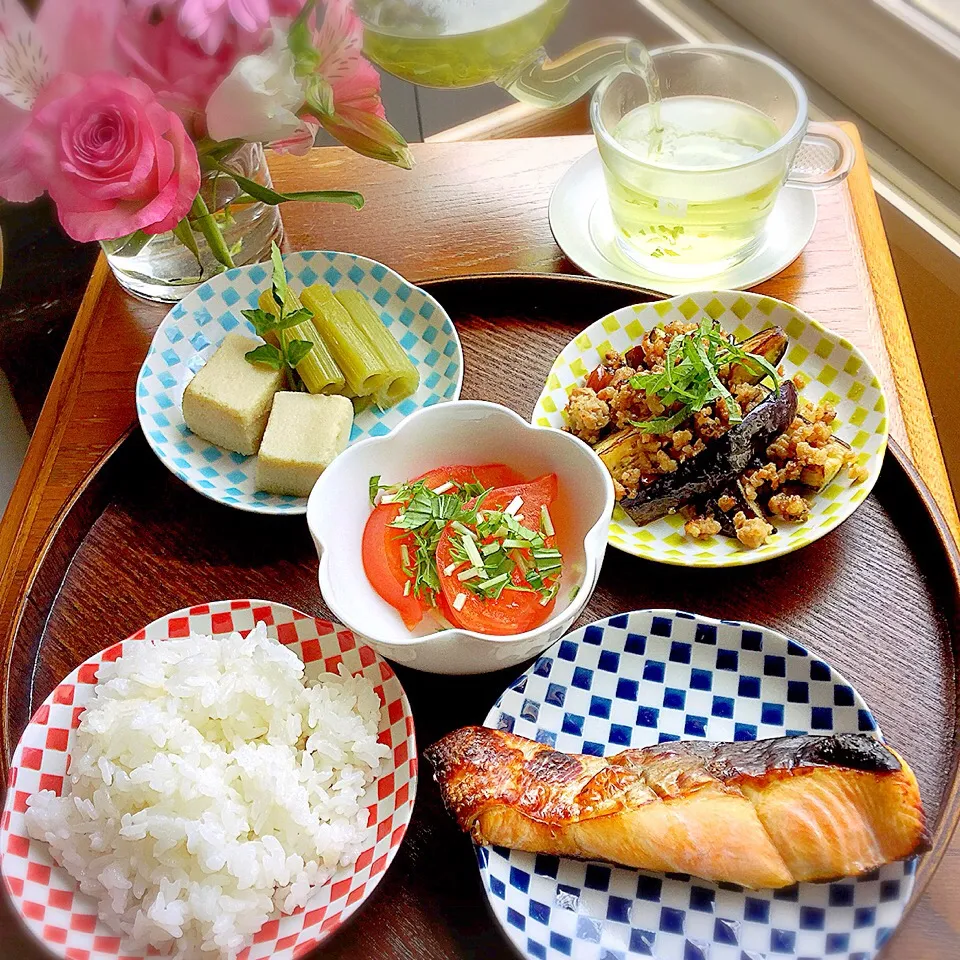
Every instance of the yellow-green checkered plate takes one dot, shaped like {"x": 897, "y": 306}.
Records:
{"x": 830, "y": 369}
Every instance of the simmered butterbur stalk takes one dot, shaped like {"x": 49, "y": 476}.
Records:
{"x": 364, "y": 370}
{"x": 402, "y": 377}
{"x": 268, "y": 305}
{"x": 318, "y": 370}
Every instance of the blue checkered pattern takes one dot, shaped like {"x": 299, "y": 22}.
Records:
{"x": 191, "y": 331}
{"x": 654, "y": 676}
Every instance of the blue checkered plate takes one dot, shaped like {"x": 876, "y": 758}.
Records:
{"x": 192, "y": 330}
{"x": 656, "y": 675}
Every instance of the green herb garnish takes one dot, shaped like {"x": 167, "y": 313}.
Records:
{"x": 286, "y": 356}
{"x": 691, "y": 377}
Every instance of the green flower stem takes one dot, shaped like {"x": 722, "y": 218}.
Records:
{"x": 203, "y": 219}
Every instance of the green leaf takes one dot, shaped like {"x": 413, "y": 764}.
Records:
{"x": 374, "y": 488}
{"x": 300, "y": 315}
{"x": 286, "y": 322}
{"x": 279, "y": 276}
{"x": 663, "y": 424}
{"x": 272, "y": 197}
{"x": 733, "y": 408}
{"x": 261, "y": 320}
{"x": 296, "y": 350}
{"x": 217, "y": 149}
{"x": 300, "y": 38}
{"x": 266, "y": 354}
{"x": 319, "y": 96}
{"x": 184, "y": 233}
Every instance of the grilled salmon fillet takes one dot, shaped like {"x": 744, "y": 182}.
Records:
{"x": 762, "y": 814}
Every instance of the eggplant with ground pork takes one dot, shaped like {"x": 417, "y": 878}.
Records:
{"x": 689, "y": 420}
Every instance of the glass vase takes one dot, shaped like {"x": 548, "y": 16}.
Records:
{"x": 162, "y": 268}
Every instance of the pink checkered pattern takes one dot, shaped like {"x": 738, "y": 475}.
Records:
{"x": 47, "y": 896}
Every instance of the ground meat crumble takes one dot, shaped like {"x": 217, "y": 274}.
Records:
{"x": 806, "y": 457}
{"x": 751, "y": 533}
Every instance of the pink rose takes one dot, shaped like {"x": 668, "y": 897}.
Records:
{"x": 180, "y": 73}
{"x": 112, "y": 158}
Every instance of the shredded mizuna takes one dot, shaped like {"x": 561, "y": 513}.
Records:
{"x": 545, "y": 521}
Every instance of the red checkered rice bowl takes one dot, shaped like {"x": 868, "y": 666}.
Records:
{"x": 47, "y": 896}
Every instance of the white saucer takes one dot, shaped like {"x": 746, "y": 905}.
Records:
{"x": 583, "y": 228}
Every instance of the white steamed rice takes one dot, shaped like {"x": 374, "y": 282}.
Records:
{"x": 209, "y": 789}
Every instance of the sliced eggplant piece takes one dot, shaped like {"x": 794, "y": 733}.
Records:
{"x": 741, "y": 504}
{"x": 720, "y": 463}
{"x": 771, "y": 344}
{"x": 819, "y": 476}
{"x": 618, "y": 447}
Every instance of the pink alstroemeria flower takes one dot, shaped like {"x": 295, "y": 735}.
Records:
{"x": 312, "y": 72}
{"x": 211, "y": 22}
{"x": 358, "y": 119}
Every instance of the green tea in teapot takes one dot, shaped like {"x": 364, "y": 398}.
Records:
{"x": 455, "y": 43}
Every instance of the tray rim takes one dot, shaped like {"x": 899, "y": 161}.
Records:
{"x": 949, "y": 812}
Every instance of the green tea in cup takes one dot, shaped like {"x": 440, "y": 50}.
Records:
{"x": 692, "y": 177}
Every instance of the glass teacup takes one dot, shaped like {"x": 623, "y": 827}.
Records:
{"x": 690, "y": 195}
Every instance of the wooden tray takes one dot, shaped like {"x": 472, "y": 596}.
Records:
{"x": 879, "y": 598}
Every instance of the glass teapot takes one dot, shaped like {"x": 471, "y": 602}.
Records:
{"x": 463, "y": 43}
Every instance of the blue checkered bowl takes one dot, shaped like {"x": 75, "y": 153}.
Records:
{"x": 655, "y": 675}
{"x": 192, "y": 330}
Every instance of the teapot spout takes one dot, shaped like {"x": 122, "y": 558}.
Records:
{"x": 542, "y": 82}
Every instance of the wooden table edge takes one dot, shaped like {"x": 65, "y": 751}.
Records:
{"x": 925, "y": 450}
{"x": 29, "y": 488}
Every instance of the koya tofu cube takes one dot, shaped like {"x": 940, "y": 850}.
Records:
{"x": 228, "y": 402}
{"x": 304, "y": 434}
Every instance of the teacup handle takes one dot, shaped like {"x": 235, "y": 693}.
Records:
{"x": 825, "y": 156}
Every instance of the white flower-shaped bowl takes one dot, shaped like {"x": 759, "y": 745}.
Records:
{"x": 468, "y": 432}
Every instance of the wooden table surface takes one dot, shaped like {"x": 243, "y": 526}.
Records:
{"x": 469, "y": 208}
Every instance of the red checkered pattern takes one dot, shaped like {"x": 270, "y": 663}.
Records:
{"x": 66, "y": 920}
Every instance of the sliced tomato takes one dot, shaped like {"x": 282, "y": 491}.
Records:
{"x": 383, "y": 563}
{"x": 514, "y": 611}
{"x": 535, "y": 494}
{"x": 489, "y": 474}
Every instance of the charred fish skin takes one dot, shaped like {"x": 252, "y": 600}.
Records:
{"x": 757, "y": 758}
{"x": 761, "y": 814}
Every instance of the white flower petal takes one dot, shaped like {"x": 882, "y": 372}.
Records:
{"x": 258, "y": 100}
{"x": 24, "y": 64}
